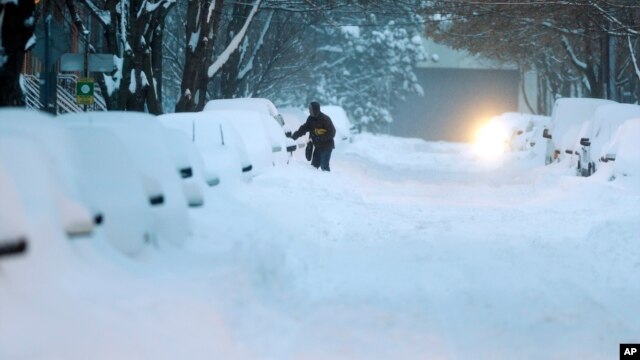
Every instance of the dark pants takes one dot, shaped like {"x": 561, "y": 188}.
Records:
{"x": 321, "y": 158}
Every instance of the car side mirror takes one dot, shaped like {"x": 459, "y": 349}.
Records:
{"x": 156, "y": 200}
{"x": 76, "y": 219}
{"x": 186, "y": 173}
{"x": 13, "y": 247}
{"x": 153, "y": 190}
{"x": 193, "y": 194}
{"x": 211, "y": 178}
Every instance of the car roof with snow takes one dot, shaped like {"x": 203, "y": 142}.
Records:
{"x": 213, "y": 132}
{"x": 255, "y": 104}
{"x": 604, "y": 123}
{"x": 571, "y": 111}
{"x": 611, "y": 116}
{"x": 567, "y": 118}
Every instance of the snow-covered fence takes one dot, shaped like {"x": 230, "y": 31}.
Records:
{"x": 66, "y": 99}
{"x": 32, "y": 91}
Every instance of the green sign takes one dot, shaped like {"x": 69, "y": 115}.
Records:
{"x": 84, "y": 91}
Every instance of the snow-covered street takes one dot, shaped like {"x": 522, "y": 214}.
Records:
{"x": 299, "y": 179}
{"x": 407, "y": 249}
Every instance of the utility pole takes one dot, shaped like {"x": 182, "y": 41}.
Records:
{"x": 86, "y": 59}
{"x": 604, "y": 65}
{"x": 48, "y": 78}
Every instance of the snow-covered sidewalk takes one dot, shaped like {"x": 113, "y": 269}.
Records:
{"x": 406, "y": 249}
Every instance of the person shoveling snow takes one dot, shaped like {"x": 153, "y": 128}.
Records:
{"x": 321, "y": 133}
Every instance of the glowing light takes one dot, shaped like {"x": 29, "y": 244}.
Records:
{"x": 491, "y": 141}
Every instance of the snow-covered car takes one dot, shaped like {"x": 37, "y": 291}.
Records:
{"x": 521, "y": 130}
{"x": 223, "y": 152}
{"x": 624, "y": 152}
{"x": 266, "y": 109}
{"x": 261, "y": 105}
{"x": 109, "y": 180}
{"x": 265, "y": 143}
{"x": 566, "y": 121}
{"x": 597, "y": 132}
{"x": 190, "y": 150}
{"x": 29, "y": 138}
{"x": 13, "y": 220}
{"x": 340, "y": 121}
{"x": 190, "y": 166}
{"x": 142, "y": 136}
{"x": 294, "y": 118}
{"x": 42, "y": 187}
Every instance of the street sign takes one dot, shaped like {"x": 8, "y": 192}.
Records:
{"x": 102, "y": 62}
{"x": 59, "y": 42}
{"x": 97, "y": 62}
{"x": 72, "y": 62}
{"x": 84, "y": 91}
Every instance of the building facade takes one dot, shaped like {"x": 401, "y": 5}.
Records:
{"x": 460, "y": 93}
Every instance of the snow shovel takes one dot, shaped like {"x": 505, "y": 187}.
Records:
{"x": 308, "y": 151}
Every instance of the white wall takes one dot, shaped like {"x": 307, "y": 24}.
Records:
{"x": 441, "y": 56}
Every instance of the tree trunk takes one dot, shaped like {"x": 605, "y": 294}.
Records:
{"x": 198, "y": 55}
{"x": 134, "y": 34}
{"x": 154, "y": 70}
{"x": 17, "y": 24}
{"x": 230, "y": 70}
{"x": 523, "y": 88}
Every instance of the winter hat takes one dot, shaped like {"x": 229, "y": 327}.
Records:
{"x": 315, "y": 106}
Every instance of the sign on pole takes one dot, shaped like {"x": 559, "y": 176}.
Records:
{"x": 58, "y": 44}
{"x": 97, "y": 62}
{"x": 84, "y": 91}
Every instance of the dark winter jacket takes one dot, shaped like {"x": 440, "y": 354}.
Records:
{"x": 321, "y": 131}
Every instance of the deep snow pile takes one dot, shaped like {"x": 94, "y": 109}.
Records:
{"x": 408, "y": 249}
